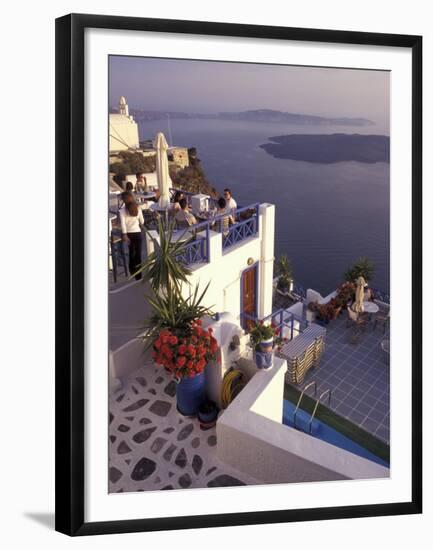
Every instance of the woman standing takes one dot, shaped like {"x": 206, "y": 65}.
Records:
{"x": 131, "y": 221}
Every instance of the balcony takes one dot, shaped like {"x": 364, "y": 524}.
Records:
{"x": 197, "y": 250}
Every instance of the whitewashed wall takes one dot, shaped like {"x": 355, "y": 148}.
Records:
{"x": 224, "y": 271}
{"x": 252, "y": 438}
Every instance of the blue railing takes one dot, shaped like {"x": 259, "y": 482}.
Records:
{"x": 299, "y": 291}
{"x": 243, "y": 229}
{"x": 197, "y": 251}
{"x": 381, "y": 296}
{"x": 281, "y": 319}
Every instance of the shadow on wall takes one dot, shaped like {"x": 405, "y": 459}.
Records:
{"x": 45, "y": 519}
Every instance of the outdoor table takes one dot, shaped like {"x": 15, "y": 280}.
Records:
{"x": 146, "y": 196}
{"x": 370, "y": 307}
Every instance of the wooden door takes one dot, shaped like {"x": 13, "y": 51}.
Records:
{"x": 249, "y": 297}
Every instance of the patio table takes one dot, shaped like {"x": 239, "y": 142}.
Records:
{"x": 370, "y": 307}
{"x": 146, "y": 196}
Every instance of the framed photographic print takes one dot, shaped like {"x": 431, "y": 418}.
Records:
{"x": 238, "y": 274}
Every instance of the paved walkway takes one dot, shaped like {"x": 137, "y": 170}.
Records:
{"x": 153, "y": 447}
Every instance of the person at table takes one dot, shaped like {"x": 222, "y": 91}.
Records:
{"x": 178, "y": 196}
{"x": 183, "y": 216}
{"x": 131, "y": 223}
{"x": 231, "y": 203}
{"x": 140, "y": 183}
{"x": 129, "y": 188}
{"x": 224, "y": 219}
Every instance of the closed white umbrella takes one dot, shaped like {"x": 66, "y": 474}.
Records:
{"x": 162, "y": 174}
{"x": 358, "y": 306}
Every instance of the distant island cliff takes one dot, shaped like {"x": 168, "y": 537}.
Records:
{"x": 329, "y": 148}
{"x": 257, "y": 115}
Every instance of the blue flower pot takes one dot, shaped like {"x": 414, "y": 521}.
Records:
{"x": 263, "y": 360}
{"x": 208, "y": 418}
{"x": 190, "y": 394}
{"x": 266, "y": 346}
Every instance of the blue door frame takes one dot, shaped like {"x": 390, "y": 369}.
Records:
{"x": 254, "y": 267}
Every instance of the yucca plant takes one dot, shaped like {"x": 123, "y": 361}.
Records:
{"x": 164, "y": 268}
{"x": 284, "y": 271}
{"x": 174, "y": 312}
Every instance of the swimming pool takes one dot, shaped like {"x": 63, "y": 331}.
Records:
{"x": 322, "y": 431}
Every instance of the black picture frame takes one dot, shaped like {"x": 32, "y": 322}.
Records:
{"x": 70, "y": 284}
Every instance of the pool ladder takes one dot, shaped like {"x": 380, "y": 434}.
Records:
{"x": 313, "y": 414}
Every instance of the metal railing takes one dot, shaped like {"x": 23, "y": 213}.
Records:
{"x": 313, "y": 383}
{"x": 280, "y": 319}
{"x": 381, "y": 296}
{"x": 329, "y": 392}
{"x": 197, "y": 251}
{"x": 241, "y": 230}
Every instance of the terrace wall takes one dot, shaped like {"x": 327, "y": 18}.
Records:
{"x": 252, "y": 438}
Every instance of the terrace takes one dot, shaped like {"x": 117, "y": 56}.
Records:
{"x": 197, "y": 250}
{"x": 357, "y": 372}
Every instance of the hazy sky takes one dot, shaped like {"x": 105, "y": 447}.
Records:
{"x": 207, "y": 86}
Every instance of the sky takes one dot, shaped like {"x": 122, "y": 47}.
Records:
{"x": 213, "y": 86}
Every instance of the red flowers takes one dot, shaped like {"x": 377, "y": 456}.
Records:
{"x": 180, "y": 361}
{"x": 188, "y": 355}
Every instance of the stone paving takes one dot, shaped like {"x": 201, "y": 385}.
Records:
{"x": 153, "y": 447}
{"x": 358, "y": 374}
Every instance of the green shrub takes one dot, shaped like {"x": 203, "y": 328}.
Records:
{"x": 363, "y": 267}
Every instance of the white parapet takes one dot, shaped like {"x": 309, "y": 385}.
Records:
{"x": 252, "y": 438}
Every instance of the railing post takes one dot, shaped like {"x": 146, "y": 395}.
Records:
{"x": 207, "y": 243}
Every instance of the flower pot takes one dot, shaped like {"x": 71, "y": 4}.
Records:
{"x": 263, "y": 359}
{"x": 266, "y": 346}
{"x": 207, "y": 414}
{"x": 190, "y": 394}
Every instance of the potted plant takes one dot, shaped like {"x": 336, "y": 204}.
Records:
{"x": 337, "y": 306}
{"x": 323, "y": 312}
{"x": 363, "y": 267}
{"x": 181, "y": 345}
{"x": 263, "y": 337}
{"x": 185, "y": 355}
{"x": 285, "y": 274}
{"x": 346, "y": 293}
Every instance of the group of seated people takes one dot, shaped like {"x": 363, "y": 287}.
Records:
{"x": 224, "y": 211}
{"x": 132, "y": 220}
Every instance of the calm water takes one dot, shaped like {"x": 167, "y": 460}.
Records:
{"x": 326, "y": 215}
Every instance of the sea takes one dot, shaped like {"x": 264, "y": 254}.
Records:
{"x": 327, "y": 215}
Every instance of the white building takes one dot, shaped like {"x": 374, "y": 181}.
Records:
{"x": 239, "y": 265}
{"x": 123, "y": 129}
